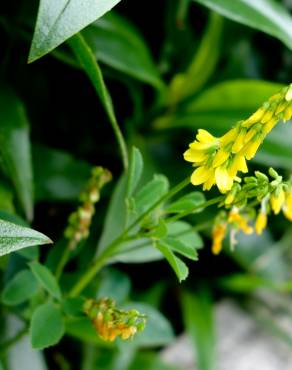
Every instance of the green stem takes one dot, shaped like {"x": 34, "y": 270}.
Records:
{"x": 62, "y": 262}
{"x": 99, "y": 263}
{"x": 9, "y": 342}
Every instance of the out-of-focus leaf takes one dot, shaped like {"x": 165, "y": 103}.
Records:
{"x": 186, "y": 202}
{"x": 222, "y": 105}
{"x": 268, "y": 16}
{"x": 199, "y": 323}
{"x": 47, "y": 326}
{"x": 6, "y": 199}
{"x": 114, "y": 284}
{"x": 150, "y": 361}
{"x": 58, "y": 176}
{"x": 88, "y": 61}
{"x": 46, "y": 279}
{"x": 179, "y": 267}
{"x": 14, "y": 237}
{"x": 15, "y": 148}
{"x": 58, "y": 20}
{"x": 135, "y": 171}
{"x": 202, "y": 65}
{"x": 157, "y": 332}
{"x": 20, "y": 288}
{"x": 118, "y": 44}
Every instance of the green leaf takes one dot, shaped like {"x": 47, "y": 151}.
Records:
{"x": 178, "y": 266}
{"x": 158, "y": 330}
{"x": 58, "y": 20}
{"x": 19, "y": 289}
{"x": 14, "y": 237}
{"x": 135, "y": 171}
{"x": 199, "y": 323}
{"x": 87, "y": 60}
{"x": 58, "y": 175}
{"x": 186, "y": 202}
{"x": 47, "y": 326}
{"x": 151, "y": 193}
{"x": 203, "y": 64}
{"x": 182, "y": 231}
{"x": 113, "y": 225}
{"x": 268, "y": 16}
{"x": 46, "y": 279}
{"x": 177, "y": 246}
{"x": 222, "y": 105}
{"x": 15, "y": 148}
{"x": 117, "y": 43}
{"x": 6, "y": 199}
{"x": 151, "y": 361}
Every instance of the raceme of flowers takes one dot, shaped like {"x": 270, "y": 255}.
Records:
{"x": 111, "y": 322}
{"x": 219, "y": 159}
{"x": 247, "y": 206}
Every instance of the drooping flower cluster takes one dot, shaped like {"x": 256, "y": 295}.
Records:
{"x": 219, "y": 159}
{"x": 80, "y": 220}
{"x": 111, "y": 322}
{"x": 252, "y": 202}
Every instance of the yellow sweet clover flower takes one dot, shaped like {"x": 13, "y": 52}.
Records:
{"x": 277, "y": 200}
{"x": 261, "y": 222}
{"x": 239, "y": 221}
{"x": 287, "y": 207}
{"x": 111, "y": 322}
{"x": 218, "y": 234}
{"x": 219, "y": 159}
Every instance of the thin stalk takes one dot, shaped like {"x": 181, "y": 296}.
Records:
{"x": 62, "y": 262}
{"x": 99, "y": 263}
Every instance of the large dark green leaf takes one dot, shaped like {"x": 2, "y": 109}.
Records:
{"x": 58, "y": 20}
{"x": 14, "y": 237}
{"x": 118, "y": 44}
{"x": 15, "y": 148}
{"x": 265, "y": 15}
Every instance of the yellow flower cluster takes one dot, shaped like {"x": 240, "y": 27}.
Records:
{"x": 110, "y": 322}
{"x": 219, "y": 159}
{"x": 243, "y": 201}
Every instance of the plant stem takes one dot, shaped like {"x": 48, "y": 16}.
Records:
{"x": 62, "y": 262}
{"x": 111, "y": 249}
{"x": 9, "y": 342}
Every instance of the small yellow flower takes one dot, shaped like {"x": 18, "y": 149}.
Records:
{"x": 287, "y": 209}
{"x": 277, "y": 201}
{"x": 288, "y": 95}
{"x": 251, "y": 148}
{"x": 261, "y": 222}
{"x": 218, "y": 234}
{"x": 201, "y": 175}
{"x": 223, "y": 178}
{"x": 239, "y": 221}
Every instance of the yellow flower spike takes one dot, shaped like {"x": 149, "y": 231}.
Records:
{"x": 261, "y": 222}
{"x": 200, "y": 175}
{"x": 223, "y": 178}
{"x": 287, "y": 208}
{"x": 267, "y": 116}
{"x": 218, "y": 234}
{"x": 250, "y": 135}
{"x": 281, "y": 107}
{"x": 277, "y": 201}
{"x": 210, "y": 182}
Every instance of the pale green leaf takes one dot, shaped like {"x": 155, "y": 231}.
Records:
{"x": 20, "y": 288}
{"x": 46, "y": 279}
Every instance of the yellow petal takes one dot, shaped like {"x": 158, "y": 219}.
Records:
{"x": 277, "y": 201}
{"x": 239, "y": 141}
{"x": 270, "y": 125}
{"x": 210, "y": 182}
{"x": 223, "y": 179}
{"x": 192, "y": 155}
{"x": 287, "y": 113}
{"x": 220, "y": 157}
{"x": 251, "y": 148}
{"x": 238, "y": 164}
{"x": 261, "y": 222}
{"x": 204, "y": 136}
{"x": 288, "y": 95}
{"x": 256, "y": 117}
{"x": 229, "y": 137}
{"x": 200, "y": 175}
